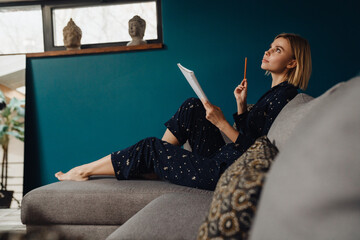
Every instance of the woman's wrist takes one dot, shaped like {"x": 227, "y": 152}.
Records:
{"x": 242, "y": 107}
{"x": 229, "y": 131}
{"x": 223, "y": 125}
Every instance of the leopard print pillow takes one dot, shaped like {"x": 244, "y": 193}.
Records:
{"x": 237, "y": 193}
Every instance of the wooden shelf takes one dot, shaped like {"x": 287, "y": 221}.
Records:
{"x": 96, "y": 50}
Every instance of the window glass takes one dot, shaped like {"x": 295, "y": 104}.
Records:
{"x": 21, "y": 29}
{"x": 106, "y": 23}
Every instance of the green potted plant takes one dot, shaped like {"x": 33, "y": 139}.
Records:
{"x": 11, "y": 124}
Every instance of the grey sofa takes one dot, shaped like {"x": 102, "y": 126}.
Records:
{"x": 312, "y": 190}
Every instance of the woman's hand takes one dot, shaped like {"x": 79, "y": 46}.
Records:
{"x": 216, "y": 117}
{"x": 214, "y": 114}
{"x": 240, "y": 94}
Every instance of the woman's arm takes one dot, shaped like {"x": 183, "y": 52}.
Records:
{"x": 216, "y": 117}
{"x": 240, "y": 94}
{"x": 229, "y": 131}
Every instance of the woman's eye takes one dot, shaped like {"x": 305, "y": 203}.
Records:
{"x": 278, "y": 50}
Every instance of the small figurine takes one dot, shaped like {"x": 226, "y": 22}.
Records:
{"x": 137, "y": 27}
{"x": 72, "y": 36}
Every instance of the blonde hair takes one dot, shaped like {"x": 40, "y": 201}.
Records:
{"x": 299, "y": 75}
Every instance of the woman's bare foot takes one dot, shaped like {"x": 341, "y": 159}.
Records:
{"x": 75, "y": 174}
{"x": 102, "y": 166}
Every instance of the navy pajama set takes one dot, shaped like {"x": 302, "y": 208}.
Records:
{"x": 210, "y": 155}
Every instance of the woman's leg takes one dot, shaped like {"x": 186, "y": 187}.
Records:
{"x": 170, "y": 138}
{"x": 190, "y": 124}
{"x": 102, "y": 166}
{"x": 152, "y": 156}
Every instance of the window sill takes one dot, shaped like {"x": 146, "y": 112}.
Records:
{"x": 96, "y": 50}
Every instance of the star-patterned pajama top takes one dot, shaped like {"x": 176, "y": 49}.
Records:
{"x": 210, "y": 155}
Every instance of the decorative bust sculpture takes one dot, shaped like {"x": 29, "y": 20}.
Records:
{"x": 137, "y": 27}
{"x": 72, "y": 36}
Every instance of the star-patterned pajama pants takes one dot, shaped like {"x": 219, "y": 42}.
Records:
{"x": 200, "y": 168}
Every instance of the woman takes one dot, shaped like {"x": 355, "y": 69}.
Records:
{"x": 288, "y": 61}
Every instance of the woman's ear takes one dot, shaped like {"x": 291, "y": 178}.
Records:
{"x": 292, "y": 63}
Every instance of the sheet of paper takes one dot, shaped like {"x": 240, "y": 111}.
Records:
{"x": 190, "y": 77}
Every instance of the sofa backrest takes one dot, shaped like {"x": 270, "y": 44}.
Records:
{"x": 289, "y": 117}
{"x": 312, "y": 190}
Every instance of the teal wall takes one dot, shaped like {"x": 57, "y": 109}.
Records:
{"x": 81, "y": 108}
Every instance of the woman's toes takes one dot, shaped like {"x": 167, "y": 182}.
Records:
{"x": 59, "y": 175}
{"x": 75, "y": 174}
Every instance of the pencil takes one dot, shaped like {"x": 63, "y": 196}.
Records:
{"x": 245, "y": 67}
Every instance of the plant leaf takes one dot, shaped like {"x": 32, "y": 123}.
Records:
{"x": 16, "y": 134}
{"x": 3, "y": 128}
{"x": 21, "y": 130}
{"x": 16, "y": 104}
{"x": 6, "y": 112}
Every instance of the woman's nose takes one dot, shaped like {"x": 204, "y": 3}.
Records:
{"x": 268, "y": 52}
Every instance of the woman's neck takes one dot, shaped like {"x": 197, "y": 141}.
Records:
{"x": 278, "y": 78}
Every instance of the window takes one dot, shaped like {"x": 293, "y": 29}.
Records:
{"x": 21, "y": 29}
{"x": 105, "y": 24}
{"x": 38, "y": 25}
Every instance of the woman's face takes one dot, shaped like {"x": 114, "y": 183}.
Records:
{"x": 279, "y": 58}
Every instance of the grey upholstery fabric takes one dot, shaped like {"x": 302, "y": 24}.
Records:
{"x": 289, "y": 117}
{"x": 171, "y": 216}
{"x": 100, "y": 201}
{"x": 73, "y": 232}
{"x": 312, "y": 190}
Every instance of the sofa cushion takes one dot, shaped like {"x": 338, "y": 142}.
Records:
{"x": 286, "y": 122}
{"x": 99, "y": 201}
{"x": 170, "y": 216}
{"x": 237, "y": 192}
{"x": 288, "y": 118}
{"x": 68, "y": 232}
{"x": 312, "y": 190}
